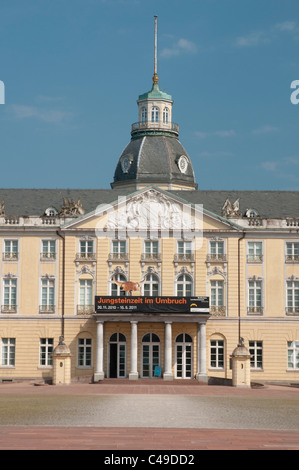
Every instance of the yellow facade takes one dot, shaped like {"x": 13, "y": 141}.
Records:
{"x": 42, "y": 297}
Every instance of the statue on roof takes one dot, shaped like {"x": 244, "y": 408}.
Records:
{"x": 2, "y": 209}
{"x": 231, "y": 210}
{"x": 71, "y": 208}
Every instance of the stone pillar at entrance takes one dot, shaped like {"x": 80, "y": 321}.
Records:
{"x": 168, "y": 352}
{"x": 99, "y": 373}
{"x": 201, "y": 353}
{"x": 133, "y": 375}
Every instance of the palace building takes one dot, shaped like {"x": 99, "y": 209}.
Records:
{"x": 112, "y": 273}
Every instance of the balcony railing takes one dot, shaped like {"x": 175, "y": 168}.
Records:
{"x": 218, "y": 310}
{"x": 151, "y": 257}
{"x": 47, "y": 309}
{"x": 85, "y": 257}
{"x": 292, "y": 258}
{"x": 118, "y": 257}
{"x": 85, "y": 309}
{"x": 292, "y": 310}
{"x": 254, "y": 258}
{"x": 184, "y": 257}
{"x": 216, "y": 257}
{"x": 255, "y": 221}
{"x": 292, "y": 221}
{"x": 255, "y": 310}
{"x": 48, "y": 256}
{"x": 10, "y": 256}
{"x": 8, "y": 308}
{"x": 155, "y": 126}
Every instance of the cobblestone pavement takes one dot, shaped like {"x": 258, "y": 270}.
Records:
{"x": 148, "y": 415}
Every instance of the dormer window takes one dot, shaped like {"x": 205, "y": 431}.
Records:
{"x": 155, "y": 114}
{"x": 252, "y": 213}
{"x": 51, "y": 212}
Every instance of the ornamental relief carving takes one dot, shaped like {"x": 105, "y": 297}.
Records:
{"x": 150, "y": 211}
{"x": 85, "y": 269}
{"x": 217, "y": 270}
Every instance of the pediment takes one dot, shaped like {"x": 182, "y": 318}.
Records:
{"x": 150, "y": 210}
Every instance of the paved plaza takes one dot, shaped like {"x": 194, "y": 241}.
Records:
{"x": 148, "y": 415}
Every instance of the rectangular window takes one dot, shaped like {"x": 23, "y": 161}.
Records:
{"x": 292, "y": 297}
{"x": 254, "y": 252}
{"x": 84, "y": 352}
{"x": 85, "y": 297}
{"x": 10, "y": 295}
{"x": 185, "y": 251}
{"x": 217, "y": 354}
{"x": 293, "y": 355}
{"x": 86, "y": 292}
{"x": 256, "y": 351}
{"x": 11, "y": 250}
{"x": 151, "y": 249}
{"x": 46, "y": 348}
{"x": 48, "y": 296}
{"x": 216, "y": 251}
{"x": 255, "y": 297}
{"x": 292, "y": 252}
{"x": 119, "y": 249}
{"x": 86, "y": 249}
{"x": 48, "y": 250}
{"x": 8, "y": 351}
{"x": 217, "y": 298}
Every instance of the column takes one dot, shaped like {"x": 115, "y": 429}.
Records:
{"x": 201, "y": 353}
{"x": 99, "y": 373}
{"x": 133, "y": 375}
{"x": 168, "y": 352}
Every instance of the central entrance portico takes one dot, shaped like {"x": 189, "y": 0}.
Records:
{"x": 143, "y": 342}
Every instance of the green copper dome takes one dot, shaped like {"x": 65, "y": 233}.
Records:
{"x": 155, "y": 93}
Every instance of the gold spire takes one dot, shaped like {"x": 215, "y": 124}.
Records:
{"x": 155, "y": 77}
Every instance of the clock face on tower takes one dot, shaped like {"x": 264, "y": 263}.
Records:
{"x": 183, "y": 164}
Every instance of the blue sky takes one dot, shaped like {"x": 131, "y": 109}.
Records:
{"x": 73, "y": 70}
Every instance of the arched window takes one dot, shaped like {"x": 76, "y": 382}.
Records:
{"x": 151, "y": 337}
{"x": 184, "y": 286}
{"x": 151, "y": 285}
{"x": 143, "y": 115}
{"x": 183, "y": 338}
{"x": 115, "y": 289}
{"x": 165, "y": 115}
{"x": 155, "y": 114}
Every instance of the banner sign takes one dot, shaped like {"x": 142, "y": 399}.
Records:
{"x": 139, "y": 304}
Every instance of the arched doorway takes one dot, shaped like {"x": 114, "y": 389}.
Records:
{"x": 183, "y": 351}
{"x": 150, "y": 354}
{"x": 117, "y": 356}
